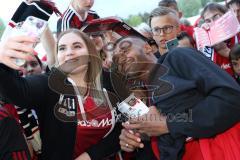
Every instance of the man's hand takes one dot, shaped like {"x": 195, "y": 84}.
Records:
{"x": 151, "y": 124}
{"x": 129, "y": 140}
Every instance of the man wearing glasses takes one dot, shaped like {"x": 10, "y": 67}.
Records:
{"x": 165, "y": 26}
{"x": 173, "y": 5}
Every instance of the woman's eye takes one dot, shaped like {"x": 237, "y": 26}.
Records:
{"x": 77, "y": 46}
{"x": 61, "y": 48}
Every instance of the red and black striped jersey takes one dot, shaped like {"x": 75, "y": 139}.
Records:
{"x": 71, "y": 19}
{"x": 12, "y": 142}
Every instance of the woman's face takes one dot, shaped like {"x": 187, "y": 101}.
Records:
{"x": 32, "y": 67}
{"x": 70, "y": 48}
{"x": 72, "y": 53}
{"x": 212, "y": 15}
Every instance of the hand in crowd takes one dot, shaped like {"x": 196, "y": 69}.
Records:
{"x": 129, "y": 141}
{"x": 205, "y": 26}
{"x": 83, "y": 156}
{"x": 98, "y": 42}
{"x": 151, "y": 124}
{"x": 221, "y": 48}
{"x": 16, "y": 47}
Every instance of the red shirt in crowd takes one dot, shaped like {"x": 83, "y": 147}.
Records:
{"x": 188, "y": 29}
{"x": 99, "y": 123}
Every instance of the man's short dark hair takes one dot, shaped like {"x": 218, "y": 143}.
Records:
{"x": 168, "y": 3}
{"x": 161, "y": 11}
{"x": 237, "y": 2}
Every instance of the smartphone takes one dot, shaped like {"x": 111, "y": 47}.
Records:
{"x": 132, "y": 107}
{"x": 173, "y": 43}
{"x": 32, "y": 26}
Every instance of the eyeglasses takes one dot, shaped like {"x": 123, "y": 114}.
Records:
{"x": 166, "y": 30}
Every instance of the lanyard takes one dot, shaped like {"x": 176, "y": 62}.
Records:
{"x": 79, "y": 98}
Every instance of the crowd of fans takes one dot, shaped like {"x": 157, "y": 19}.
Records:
{"x": 65, "y": 106}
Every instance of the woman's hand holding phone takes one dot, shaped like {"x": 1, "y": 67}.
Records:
{"x": 15, "y": 48}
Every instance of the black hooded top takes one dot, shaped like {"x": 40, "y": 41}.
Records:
{"x": 203, "y": 99}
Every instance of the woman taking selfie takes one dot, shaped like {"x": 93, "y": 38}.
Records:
{"x": 74, "y": 111}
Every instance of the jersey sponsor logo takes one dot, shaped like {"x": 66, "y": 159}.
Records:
{"x": 225, "y": 66}
{"x": 96, "y": 123}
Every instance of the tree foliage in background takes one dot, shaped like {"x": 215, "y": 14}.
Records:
{"x": 189, "y": 7}
{"x": 218, "y": 1}
{"x": 204, "y": 2}
{"x": 2, "y": 27}
{"x": 145, "y": 17}
{"x": 134, "y": 20}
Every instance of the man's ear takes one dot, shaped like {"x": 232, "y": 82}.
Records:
{"x": 147, "y": 49}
